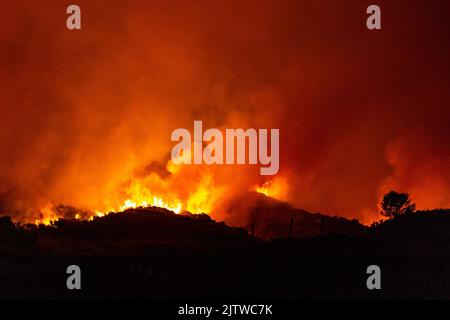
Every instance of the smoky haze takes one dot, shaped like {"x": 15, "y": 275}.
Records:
{"x": 360, "y": 112}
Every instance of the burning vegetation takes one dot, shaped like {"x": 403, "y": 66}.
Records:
{"x": 86, "y": 123}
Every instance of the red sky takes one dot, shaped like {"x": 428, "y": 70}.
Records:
{"x": 360, "y": 112}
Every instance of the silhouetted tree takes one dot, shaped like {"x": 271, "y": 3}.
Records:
{"x": 395, "y": 204}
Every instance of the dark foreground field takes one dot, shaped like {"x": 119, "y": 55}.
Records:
{"x": 152, "y": 253}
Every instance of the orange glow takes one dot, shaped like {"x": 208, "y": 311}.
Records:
{"x": 47, "y": 215}
{"x": 152, "y": 191}
{"x": 203, "y": 198}
{"x": 140, "y": 196}
{"x": 276, "y": 188}
{"x": 94, "y": 133}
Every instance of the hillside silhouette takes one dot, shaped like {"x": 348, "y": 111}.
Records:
{"x": 273, "y": 219}
{"x": 154, "y": 253}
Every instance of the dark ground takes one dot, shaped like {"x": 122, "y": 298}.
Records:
{"x": 152, "y": 253}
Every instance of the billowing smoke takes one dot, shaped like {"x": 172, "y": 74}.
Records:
{"x": 85, "y": 114}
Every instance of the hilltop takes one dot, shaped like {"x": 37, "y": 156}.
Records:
{"x": 154, "y": 253}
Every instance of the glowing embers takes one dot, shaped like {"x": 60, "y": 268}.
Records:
{"x": 153, "y": 202}
{"x": 169, "y": 193}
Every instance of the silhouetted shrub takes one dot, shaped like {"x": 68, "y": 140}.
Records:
{"x": 396, "y": 203}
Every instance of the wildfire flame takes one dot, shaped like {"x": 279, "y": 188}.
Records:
{"x": 151, "y": 191}
{"x": 47, "y": 214}
{"x": 276, "y": 188}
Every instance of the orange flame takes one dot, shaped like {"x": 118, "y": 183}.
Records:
{"x": 276, "y": 188}
{"x": 153, "y": 191}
